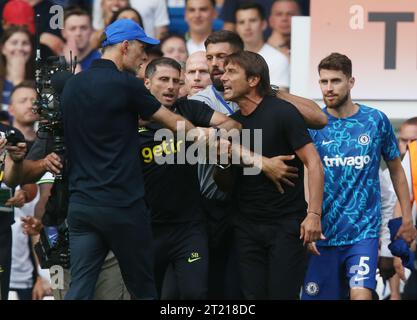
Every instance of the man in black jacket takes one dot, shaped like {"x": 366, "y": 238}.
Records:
{"x": 273, "y": 223}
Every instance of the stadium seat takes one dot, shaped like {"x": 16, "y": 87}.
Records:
{"x": 178, "y": 24}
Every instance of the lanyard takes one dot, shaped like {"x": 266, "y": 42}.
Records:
{"x": 223, "y": 102}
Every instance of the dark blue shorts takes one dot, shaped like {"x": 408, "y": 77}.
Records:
{"x": 331, "y": 275}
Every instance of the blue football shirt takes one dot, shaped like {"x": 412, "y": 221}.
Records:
{"x": 351, "y": 149}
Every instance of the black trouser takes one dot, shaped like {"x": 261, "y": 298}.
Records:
{"x": 127, "y": 232}
{"x": 410, "y": 289}
{"x": 184, "y": 247}
{"x": 223, "y": 278}
{"x": 23, "y": 294}
{"x": 5, "y": 261}
{"x": 272, "y": 258}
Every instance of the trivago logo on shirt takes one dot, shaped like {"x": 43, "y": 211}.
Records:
{"x": 357, "y": 162}
{"x": 351, "y": 149}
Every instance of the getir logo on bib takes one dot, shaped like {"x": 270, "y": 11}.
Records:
{"x": 357, "y": 162}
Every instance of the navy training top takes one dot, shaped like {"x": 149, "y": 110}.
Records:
{"x": 100, "y": 108}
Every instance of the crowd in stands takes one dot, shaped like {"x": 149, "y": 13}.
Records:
{"x": 182, "y": 26}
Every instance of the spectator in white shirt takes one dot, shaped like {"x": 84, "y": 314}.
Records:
{"x": 250, "y": 24}
{"x": 103, "y": 11}
{"x": 280, "y": 22}
{"x": 155, "y": 16}
{"x": 199, "y": 14}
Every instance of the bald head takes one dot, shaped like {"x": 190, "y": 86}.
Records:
{"x": 197, "y": 76}
{"x": 196, "y": 57}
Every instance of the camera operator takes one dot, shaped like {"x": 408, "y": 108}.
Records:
{"x": 39, "y": 161}
{"x": 17, "y": 153}
{"x": 24, "y": 278}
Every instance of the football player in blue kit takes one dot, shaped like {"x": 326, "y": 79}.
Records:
{"x": 344, "y": 264}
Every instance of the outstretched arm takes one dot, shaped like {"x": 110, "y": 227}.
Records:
{"x": 170, "y": 119}
{"x": 222, "y": 121}
{"x": 311, "y": 112}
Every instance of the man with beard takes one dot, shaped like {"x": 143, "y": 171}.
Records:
{"x": 344, "y": 264}
{"x": 219, "y": 45}
{"x": 217, "y": 204}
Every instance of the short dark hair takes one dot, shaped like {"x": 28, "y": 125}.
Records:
{"x": 252, "y": 5}
{"x": 154, "y": 51}
{"x": 121, "y": 10}
{"x": 76, "y": 11}
{"x": 225, "y": 36}
{"x": 410, "y": 122}
{"x": 213, "y": 2}
{"x": 164, "y": 61}
{"x": 255, "y": 66}
{"x": 337, "y": 62}
{"x": 170, "y": 36}
{"x": 30, "y": 84}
